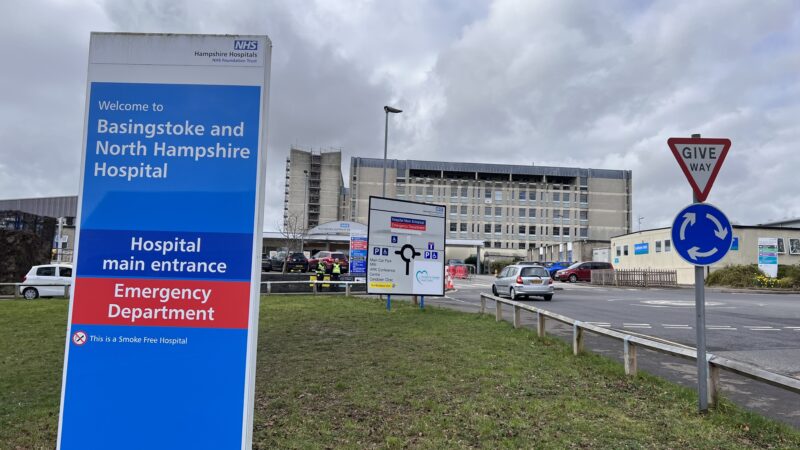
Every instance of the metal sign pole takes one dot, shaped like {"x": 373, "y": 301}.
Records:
{"x": 700, "y": 325}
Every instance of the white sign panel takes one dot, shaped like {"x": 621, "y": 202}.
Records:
{"x": 768, "y": 256}
{"x": 406, "y": 243}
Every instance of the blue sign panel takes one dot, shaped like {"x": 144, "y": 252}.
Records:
{"x": 160, "y": 351}
{"x": 641, "y": 248}
{"x": 735, "y": 243}
{"x": 701, "y": 234}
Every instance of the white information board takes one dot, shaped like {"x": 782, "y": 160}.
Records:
{"x": 406, "y": 243}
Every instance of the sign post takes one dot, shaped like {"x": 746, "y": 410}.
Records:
{"x": 701, "y": 234}
{"x": 161, "y": 337}
{"x": 406, "y": 248}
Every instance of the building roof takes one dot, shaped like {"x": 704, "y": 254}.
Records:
{"x": 66, "y": 206}
{"x": 739, "y": 227}
{"x": 785, "y": 223}
{"x": 491, "y": 168}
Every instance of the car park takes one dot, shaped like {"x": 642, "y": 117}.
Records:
{"x": 46, "y": 281}
{"x": 295, "y": 262}
{"x": 328, "y": 257}
{"x": 518, "y": 280}
{"x": 581, "y": 271}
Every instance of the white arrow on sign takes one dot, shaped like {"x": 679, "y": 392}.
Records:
{"x": 695, "y": 253}
{"x": 720, "y": 232}
{"x": 688, "y": 219}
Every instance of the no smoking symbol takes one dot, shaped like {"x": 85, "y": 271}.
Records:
{"x": 79, "y": 338}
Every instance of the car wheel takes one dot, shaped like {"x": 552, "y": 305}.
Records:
{"x": 512, "y": 294}
{"x": 548, "y": 297}
{"x": 494, "y": 290}
{"x": 30, "y": 293}
{"x": 573, "y": 278}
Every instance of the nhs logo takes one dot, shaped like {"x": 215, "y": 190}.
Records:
{"x": 245, "y": 45}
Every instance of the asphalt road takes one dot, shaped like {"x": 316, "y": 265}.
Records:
{"x": 760, "y": 329}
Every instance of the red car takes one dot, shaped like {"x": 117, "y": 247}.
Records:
{"x": 328, "y": 258}
{"x": 581, "y": 271}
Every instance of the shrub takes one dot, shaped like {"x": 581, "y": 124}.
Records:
{"x": 498, "y": 265}
{"x": 471, "y": 260}
{"x": 735, "y": 276}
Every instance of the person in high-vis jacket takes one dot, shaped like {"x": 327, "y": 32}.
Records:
{"x": 336, "y": 270}
{"x": 320, "y": 272}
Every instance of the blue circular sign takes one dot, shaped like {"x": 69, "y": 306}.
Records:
{"x": 701, "y": 234}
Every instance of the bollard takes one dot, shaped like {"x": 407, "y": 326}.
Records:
{"x": 498, "y": 311}
{"x": 16, "y": 290}
{"x": 517, "y": 316}
{"x": 315, "y": 287}
{"x": 483, "y": 304}
{"x": 629, "y": 356}
{"x": 269, "y": 288}
{"x": 347, "y": 289}
{"x": 415, "y": 300}
{"x": 577, "y": 338}
{"x": 540, "y": 318}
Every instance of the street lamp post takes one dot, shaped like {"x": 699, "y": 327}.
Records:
{"x": 387, "y": 109}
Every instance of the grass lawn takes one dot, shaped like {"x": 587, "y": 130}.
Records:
{"x": 336, "y": 372}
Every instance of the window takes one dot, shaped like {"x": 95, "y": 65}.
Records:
{"x": 584, "y": 181}
{"x": 543, "y": 197}
{"x": 781, "y": 246}
{"x": 47, "y": 271}
{"x": 464, "y": 192}
{"x": 498, "y": 212}
{"x": 667, "y": 245}
{"x": 532, "y": 212}
{"x": 584, "y": 232}
{"x": 566, "y": 231}
{"x": 498, "y": 228}
{"x": 522, "y": 229}
{"x": 584, "y": 198}
{"x": 463, "y": 210}
{"x": 658, "y": 246}
{"x": 540, "y": 272}
{"x": 496, "y": 244}
{"x": 487, "y": 193}
{"x": 453, "y": 191}
{"x": 522, "y": 195}
{"x": 522, "y": 212}
{"x": 556, "y": 196}
{"x": 463, "y": 227}
{"x": 429, "y": 190}
{"x": 556, "y": 231}
{"x": 532, "y": 195}
{"x": 584, "y": 215}
{"x": 619, "y": 251}
{"x": 487, "y": 228}
{"x": 487, "y": 211}
{"x": 521, "y": 245}
{"x": 625, "y": 250}
{"x": 452, "y": 226}
{"x": 65, "y": 272}
{"x": 556, "y": 214}
{"x": 498, "y": 196}
{"x": 401, "y": 190}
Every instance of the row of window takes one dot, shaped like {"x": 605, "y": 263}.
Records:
{"x": 497, "y": 228}
{"x": 665, "y": 246}
{"x": 498, "y": 195}
{"x": 497, "y": 211}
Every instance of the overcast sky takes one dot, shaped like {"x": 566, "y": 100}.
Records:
{"x": 599, "y": 84}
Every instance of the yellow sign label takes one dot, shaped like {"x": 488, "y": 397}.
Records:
{"x": 380, "y": 284}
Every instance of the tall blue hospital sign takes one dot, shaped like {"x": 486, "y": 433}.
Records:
{"x": 160, "y": 350}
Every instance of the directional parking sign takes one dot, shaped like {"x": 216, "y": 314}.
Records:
{"x": 701, "y": 234}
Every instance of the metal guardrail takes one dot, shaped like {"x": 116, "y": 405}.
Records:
{"x": 315, "y": 285}
{"x": 635, "y": 277}
{"x": 17, "y": 285}
{"x": 631, "y": 343}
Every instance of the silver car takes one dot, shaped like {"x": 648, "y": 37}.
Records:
{"x": 523, "y": 281}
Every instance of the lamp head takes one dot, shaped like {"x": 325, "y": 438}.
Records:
{"x": 389, "y": 109}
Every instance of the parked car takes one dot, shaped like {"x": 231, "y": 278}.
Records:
{"x": 46, "y": 281}
{"x": 295, "y": 261}
{"x": 266, "y": 265}
{"x": 328, "y": 258}
{"x": 455, "y": 262}
{"x": 581, "y": 271}
{"x": 523, "y": 281}
{"x": 553, "y": 268}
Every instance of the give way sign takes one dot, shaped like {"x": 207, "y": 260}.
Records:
{"x": 700, "y": 159}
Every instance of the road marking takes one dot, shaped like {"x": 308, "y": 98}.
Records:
{"x": 721, "y": 327}
{"x": 636, "y": 325}
{"x": 793, "y": 328}
{"x": 762, "y": 328}
{"x": 600, "y": 324}
{"x": 679, "y": 327}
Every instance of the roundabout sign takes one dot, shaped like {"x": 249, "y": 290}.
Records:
{"x": 701, "y": 234}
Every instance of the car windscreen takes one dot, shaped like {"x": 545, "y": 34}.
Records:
{"x": 534, "y": 272}
{"x": 575, "y": 266}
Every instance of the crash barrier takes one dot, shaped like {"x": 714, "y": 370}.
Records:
{"x": 635, "y": 277}
{"x": 313, "y": 286}
{"x": 630, "y": 343}
{"x": 6, "y": 288}
{"x": 461, "y": 271}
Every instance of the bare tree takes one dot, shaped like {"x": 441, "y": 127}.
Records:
{"x": 292, "y": 232}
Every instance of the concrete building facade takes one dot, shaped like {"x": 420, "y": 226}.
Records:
{"x": 314, "y": 187}
{"x": 660, "y": 254}
{"x": 512, "y": 208}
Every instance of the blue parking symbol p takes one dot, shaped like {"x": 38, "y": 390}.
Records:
{"x": 427, "y": 254}
{"x": 376, "y": 251}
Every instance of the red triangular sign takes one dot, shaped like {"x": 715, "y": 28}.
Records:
{"x": 700, "y": 159}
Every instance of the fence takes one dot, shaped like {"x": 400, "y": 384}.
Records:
{"x": 6, "y": 288}
{"x": 635, "y": 277}
{"x": 630, "y": 343}
{"x": 462, "y": 271}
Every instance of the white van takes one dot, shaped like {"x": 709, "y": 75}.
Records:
{"x": 46, "y": 281}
